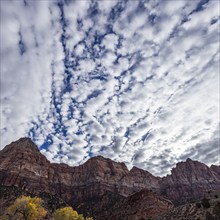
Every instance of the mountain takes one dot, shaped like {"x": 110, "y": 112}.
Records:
{"x": 91, "y": 188}
{"x": 190, "y": 180}
{"x": 100, "y": 183}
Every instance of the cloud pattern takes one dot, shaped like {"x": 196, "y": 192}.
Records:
{"x": 135, "y": 81}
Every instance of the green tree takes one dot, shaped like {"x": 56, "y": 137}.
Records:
{"x": 27, "y": 208}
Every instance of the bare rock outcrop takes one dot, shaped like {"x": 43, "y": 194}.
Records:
{"x": 206, "y": 209}
{"x": 188, "y": 181}
{"x": 144, "y": 204}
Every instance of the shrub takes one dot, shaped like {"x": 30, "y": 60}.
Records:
{"x": 209, "y": 216}
{"x": 205, "y": 203}
{"x": 216, "y": 209}
{"x": 198, "y": 205}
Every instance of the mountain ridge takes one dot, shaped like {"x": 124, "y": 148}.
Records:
{"x": 214, "y": 167}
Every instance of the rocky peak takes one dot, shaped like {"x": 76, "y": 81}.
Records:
{"x": 135, "y": 171}
{"x": 141, "y": 179}
{"x": 100, "y": 160}
{"x": 189, "y": 179}
{"x": 22, "y": 155}
{"x": 216, "y": 169}
{"x": 105, "y": 169}
{"x": 190, "y": 171}
{"x": 23, "y": 144}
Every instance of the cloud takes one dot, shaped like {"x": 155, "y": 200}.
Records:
{"x": 23, "y": 77}
{"x": 207, "y": 151}
{"x": 135, "y": 81}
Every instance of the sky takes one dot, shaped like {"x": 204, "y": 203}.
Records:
{"x": 134, "y": 81}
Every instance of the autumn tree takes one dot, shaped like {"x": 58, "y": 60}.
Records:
{"x": 27, "y": 208}
{"x": 67, "y": 213}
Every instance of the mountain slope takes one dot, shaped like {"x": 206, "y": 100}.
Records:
{"x": 144, "y": 204}
{"x": 189, "y": 180}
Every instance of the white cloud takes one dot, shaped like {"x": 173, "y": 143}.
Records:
{"x": 86, "y": 66}
{"x": 110, "y": 41}
{"x": 134, "y": 84}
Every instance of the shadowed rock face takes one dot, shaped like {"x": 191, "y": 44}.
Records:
{"x": 190, "y": 180}
{"x": 22, "y": 164}
{"x": 193, "y": 211}
{"x": 141, "y": 205}
{"x": 216, "y": 170}
{"x": 99, "y": 179}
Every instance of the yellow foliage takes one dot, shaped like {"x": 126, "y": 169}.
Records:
{"x": 3, "y": 217}
{"x": 66, "y": 213}
{"x": 27, "y": 208}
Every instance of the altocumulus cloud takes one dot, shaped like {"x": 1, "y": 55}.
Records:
{"x": 135, "y": 81}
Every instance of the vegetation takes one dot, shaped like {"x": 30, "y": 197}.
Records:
{"x": 67, "y": 213}
{"x": 209, "y": 216}
{"x": 216, "y": 210}
{"x": 198, "y": 205}
{"x": 28, "y": 208}
{"x": 205, "y": 203}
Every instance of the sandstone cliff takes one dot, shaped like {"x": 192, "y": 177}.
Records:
{"x": 189, "y": 180}
{"x": 22, "y": 164}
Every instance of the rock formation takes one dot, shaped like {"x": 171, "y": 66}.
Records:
{"x": 22, "y": 164}
{"x": 188, "y": 181}
{"x": 206, "y": 209}
{"x": 144, "y": 204}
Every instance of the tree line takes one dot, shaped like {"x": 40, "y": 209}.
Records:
{"x": 28, "y": 208}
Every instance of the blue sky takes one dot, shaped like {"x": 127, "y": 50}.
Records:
{"x": 134, "y": 81}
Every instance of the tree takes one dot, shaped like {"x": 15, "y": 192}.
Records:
{"x": 67, "y": 213}
{"x": 205, "y": 203}
{"x": 27, "y": 208}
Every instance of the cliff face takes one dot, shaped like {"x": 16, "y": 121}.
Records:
{"x": 22, "y": 164}
{"x": 100, "y": 182}
{"x": 189, "y": 180}
{"x": 144, "y": 204}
